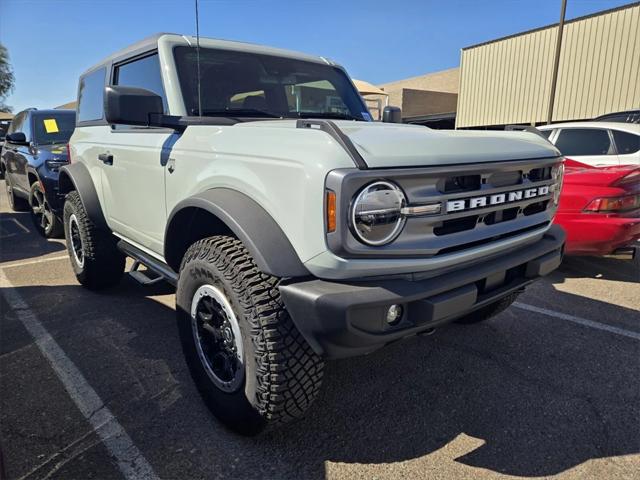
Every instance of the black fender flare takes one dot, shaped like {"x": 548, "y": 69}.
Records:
{"x": 248, "y": 221}
{"x": 33, "y": 171}
{"x": 76, "y": 176}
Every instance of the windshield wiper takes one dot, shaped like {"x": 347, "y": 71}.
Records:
{"x": 337, "y": 116}
{"x": 240, "y": 112}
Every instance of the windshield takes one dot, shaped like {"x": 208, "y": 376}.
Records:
{"x": 50, "y": 128}
{"x": 252, "y": 85}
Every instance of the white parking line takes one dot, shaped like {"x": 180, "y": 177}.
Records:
{"x": 581, "y": 321}
{"x": 20, "y": 225}
{"x": 21, "y": 263}
{"x": 130, "y": 460}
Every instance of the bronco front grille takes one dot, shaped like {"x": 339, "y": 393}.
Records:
{"x": 481, "y": 203}
{"x": 477, "y": 243}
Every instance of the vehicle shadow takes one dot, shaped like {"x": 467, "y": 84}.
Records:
{"x": 19, "y": 241}
{"x": 599, "y": 267}
{"x": 541, "y": 395}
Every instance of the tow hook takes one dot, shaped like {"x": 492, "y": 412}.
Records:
{"x": 429, "y": 331}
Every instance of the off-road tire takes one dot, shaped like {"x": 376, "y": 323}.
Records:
{"x": 282, "y": 373}
{"x": 54, "y": 229}
{"x": 491, "y": 310}
{"x": 103, "y": 264}
{"x": 16, "y": 202}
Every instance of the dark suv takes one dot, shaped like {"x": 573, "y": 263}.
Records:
{"x": 35, "y": 148}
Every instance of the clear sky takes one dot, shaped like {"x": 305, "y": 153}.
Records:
{"x": 52, "y": 41}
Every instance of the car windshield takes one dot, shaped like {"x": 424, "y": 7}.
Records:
{"x": 242, "y": 84}
{"x": 50, "y": 128}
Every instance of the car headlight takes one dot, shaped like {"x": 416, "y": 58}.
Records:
{"x": 557, "y": 175}
{"x": 376, "y": 213}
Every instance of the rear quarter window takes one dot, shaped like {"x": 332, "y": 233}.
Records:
{"x": 626, "y": 142}
{"x": 91, "y": 96}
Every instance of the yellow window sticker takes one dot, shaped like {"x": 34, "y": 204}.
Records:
{"x": 50, "y": 125}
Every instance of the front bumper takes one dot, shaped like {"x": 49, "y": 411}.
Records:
{"x": 343, "y": 319}
{"x": 598, "y": 234}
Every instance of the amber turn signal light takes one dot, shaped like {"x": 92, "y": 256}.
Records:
{"x": 331, "y": 211}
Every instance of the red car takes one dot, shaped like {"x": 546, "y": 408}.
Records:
{"x": 600, "y": 208}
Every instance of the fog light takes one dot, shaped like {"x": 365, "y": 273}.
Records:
{"x": 394, "y": 314}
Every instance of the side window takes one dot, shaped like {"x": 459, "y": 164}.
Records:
{"x": 26, "y": 126}
{"x": 142, "y": 73}
{"x": 16, "y": 123}
{"x": 584, "y": 141}
{"x": 91, "y": 96}
{"x": 4, "y": 127}
{"x": 626, "y": 142}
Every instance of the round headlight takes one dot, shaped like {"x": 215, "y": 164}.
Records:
{"x": 376, "y": 216}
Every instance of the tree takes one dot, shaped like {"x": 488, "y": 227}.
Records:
{"x": 6, "y": 78}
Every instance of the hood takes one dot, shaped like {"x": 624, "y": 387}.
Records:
{"x": 53, "y": 152}
{"x": 384, "y": 145}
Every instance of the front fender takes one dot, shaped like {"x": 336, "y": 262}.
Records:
{"x": 76, "y": 176}
{"x": 250, "y": 223}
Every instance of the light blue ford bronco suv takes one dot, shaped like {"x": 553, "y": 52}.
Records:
{"x": 294, "y": 228}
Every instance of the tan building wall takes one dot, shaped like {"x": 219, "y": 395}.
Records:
{"x": 425, "y": 102}
{"x": 67, "y": 106}
{"x": 443, "y": 81}
{"x": 509, "y": 80}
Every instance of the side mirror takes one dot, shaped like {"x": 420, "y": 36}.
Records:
{"x": 18, "y": 138}
{"x": 392, "y": 115}
{"x": 130, "y": 105}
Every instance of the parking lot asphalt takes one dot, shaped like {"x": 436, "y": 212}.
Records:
{"x": 551, "y": 387}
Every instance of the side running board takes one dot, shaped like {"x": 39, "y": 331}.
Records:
{"x": 161, "y": 269}
{"x": 144, "y": 277}
{"x": 332, "y": 129}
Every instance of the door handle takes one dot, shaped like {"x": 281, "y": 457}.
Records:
{"x": 106, "y": 158}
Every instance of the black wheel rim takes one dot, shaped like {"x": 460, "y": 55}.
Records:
{"x": 76, "y": 241}
{"x": 217, "y": 336}
{"x": 40, "y": 209}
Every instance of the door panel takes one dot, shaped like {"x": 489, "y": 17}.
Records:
{"x": 10, "y": 149}
{"x": 23, "y": 153}
{"x": 133, "y": 186}
{"x": 133, "y": 164}
{"x": 20, "y": 161}
{"x": 7, "y": 159}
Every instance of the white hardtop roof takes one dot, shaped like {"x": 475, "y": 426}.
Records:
{"x": 625, "y": 127}
{"x": 152, "y": 42}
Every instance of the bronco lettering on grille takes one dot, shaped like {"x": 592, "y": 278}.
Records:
{"x": 496, "y": 199}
